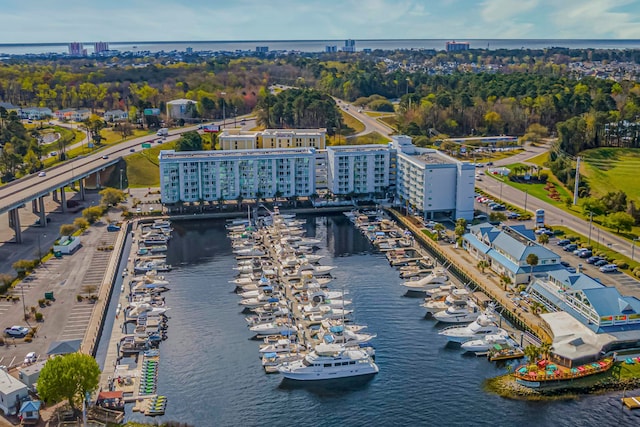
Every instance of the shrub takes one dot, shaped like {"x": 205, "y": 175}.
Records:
{"x": 79, "y": 298}
{"x": 622, "y": 264}
{"x": 28, "y": 338}
{"x": 39, "y": 316}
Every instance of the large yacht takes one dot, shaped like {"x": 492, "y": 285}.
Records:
{"x": 482, "y": 326}
{"x": 329, "y": 361}
{"x": 460, "y": 311}
{"x": 436, "y": 278}
{"x": 487, "y": 342}
{"x": 434, "y": 305}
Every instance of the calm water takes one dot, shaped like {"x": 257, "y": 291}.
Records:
{"x": 319, "y": 45}
{"x": 211, "y": 373}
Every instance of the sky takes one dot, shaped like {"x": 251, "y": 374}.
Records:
{"x": 44, "y": 21}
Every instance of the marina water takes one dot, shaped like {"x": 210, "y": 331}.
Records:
{"x": 211, "y": 373}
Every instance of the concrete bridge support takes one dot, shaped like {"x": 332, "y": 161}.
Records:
{"x": 43, "y": 213}
{"x": 34, "y": 206}
{"x": 98, "y": 180}
{"x": 81, "y": 184}
{"x": 14, "y": 222}
{"x": 63, "y": 200}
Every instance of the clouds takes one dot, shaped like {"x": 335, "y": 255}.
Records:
{"x": 38, "y": 21}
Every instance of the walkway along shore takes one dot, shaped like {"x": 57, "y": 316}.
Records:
{"x": 463, "y": 265}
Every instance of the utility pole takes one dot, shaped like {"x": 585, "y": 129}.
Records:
{"x": 590, "y": 226}
{"x": 224, "y": 116}
{"x": 120, "y": 179}
{"x": 526, "y": 193}
{"x": 575, "y": 188}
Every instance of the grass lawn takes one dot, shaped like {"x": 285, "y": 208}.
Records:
{"x": 110, "y": 138}
{"x": 142, "y": 167}
{"x": 352, "y": 125}
{"x": 389, "y": 121}
{"x": 370, "y": 138}
{"x": 379, "y": 114}
{"x": 611, "y": 169}
{"x": 538, "y": 191}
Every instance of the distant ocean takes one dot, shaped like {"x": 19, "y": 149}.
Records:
{"x": 320, "y": 45}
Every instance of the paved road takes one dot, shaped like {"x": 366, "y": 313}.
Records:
{"x": 371, "y": 124}
{"x": 553, "y": 215}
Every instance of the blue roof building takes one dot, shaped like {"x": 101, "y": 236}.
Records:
{"x": 586, "y": 317}
{"x": 506, "y": 250}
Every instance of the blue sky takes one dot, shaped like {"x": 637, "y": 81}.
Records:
{"x": 37, "y": 21}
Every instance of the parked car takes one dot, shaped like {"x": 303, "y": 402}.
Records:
{"x": 513, "y": 215}
{"x": 565, "y": 264}
{"x": 609, "y": 268}
{"x": 601, "y": 262}
{"x": 585, "y": 254}
{"x": 30, "y": 358}
{"x": 563, "y": 242}
{"x": 498, "y": 207}
{"x": 579, "y": 251}
{"x": 540, "y": 231}
{"x": 571, "y": 269}
{"x": 16, "y": 331}
{"x": 570, "y": 247}
{"x": 593, "y": 259}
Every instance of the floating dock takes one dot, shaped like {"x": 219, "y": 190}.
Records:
{"x": 631, "y": 402}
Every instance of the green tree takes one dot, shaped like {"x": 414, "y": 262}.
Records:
{"x": 482, "y": 264}
{"x": 68, "y": 377}
{"x": 439, "y": 228}
{"x": 125, "y": 129}
{"x": 112, "y": 196}
{"x": 92, "y": 214}
{"x": 532, "y": 352}
{"x": 543, "y": 239}
{"x": 23, "y": 266}
{"x": 67, "y": 229}
{"x": 189, "y": 141}
{"x": 619, "y": 221}
{"x": 81, "y": 223}
{"x": 532, "y": 260}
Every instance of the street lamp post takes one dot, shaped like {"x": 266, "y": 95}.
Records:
{"x": 501, "y": 191}
{"x": 526, "y": 193}
{"x": 224, "y": 115}
{"x": 590, "y": 225}
{"x": 633, "y": 246}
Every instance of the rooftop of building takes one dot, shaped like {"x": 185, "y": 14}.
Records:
{"x": 358, "y": 148}
{"x": 272, "y": 132}
{"x": 181, "y": 101}
{"x": 239, "y": 154}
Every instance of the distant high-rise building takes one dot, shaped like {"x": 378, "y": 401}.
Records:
{"x": 76, "y": 49}
{"x": 457, "y": 46}
{"x": 100, "y": 47}
{"x": 331, "y": 49}
{"x": 262, "y": 49}
{"x": 349, "y": 46}
{"x": 189, "y": 50}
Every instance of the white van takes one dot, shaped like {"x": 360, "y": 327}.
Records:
{"x": 163, "y": 132}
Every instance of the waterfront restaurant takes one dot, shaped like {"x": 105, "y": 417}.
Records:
{"x": 587, "y": 319}
{"x": 506, "y": 250}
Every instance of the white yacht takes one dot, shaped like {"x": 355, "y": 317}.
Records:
{"x": 483, "y": 325}
{"x": 435, "y": 305}
{"x": 436, "y": 278}
{"x": 281, "y": 346}
{"x": 329, "y": 361}
{"x": 273, "y": 328}
{"x": 343, "y": 336}
{"x": 460, "y": 311}
{"x": 483, "y": 345}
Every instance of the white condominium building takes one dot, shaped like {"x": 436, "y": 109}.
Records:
{"x": 237, "y": 139}
{"x": 191, "y": 176}
{"x": 432, "y": 183}
{"x": 360, "y": 169}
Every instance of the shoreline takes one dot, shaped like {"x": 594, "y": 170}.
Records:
{"x": 507, "y": 387}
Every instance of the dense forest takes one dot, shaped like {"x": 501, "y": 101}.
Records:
{"x": 299, "y": 108}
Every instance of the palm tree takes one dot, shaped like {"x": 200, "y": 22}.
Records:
{"x": 532, "y": 353}
{"x": 505, "y": 281}
{"x": 545, "y": 348}
{"x": 482, "y": 264}
{"x": 543, "y": 239}
{"x": 532, "y": 260}
{"x": 438, "y": 228}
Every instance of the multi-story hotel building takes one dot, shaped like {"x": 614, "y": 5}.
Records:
{"x": 360, "y": 169}
{"x": 193, "y": 176}
{"x": 236, "y": 139}
{"x": 431, "y": 183}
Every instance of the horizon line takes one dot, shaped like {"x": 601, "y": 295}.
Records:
{"x": 305, "y": 40}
